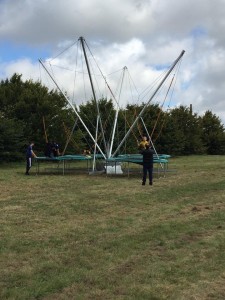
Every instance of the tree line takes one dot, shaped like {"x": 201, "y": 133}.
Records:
{"x": 29, "y": 111}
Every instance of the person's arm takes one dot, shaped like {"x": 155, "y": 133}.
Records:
{"x": 33, "y": 154}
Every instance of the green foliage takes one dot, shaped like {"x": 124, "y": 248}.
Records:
{"x": 11, "y": 140}
{"x": 30, "y": 111}
{"x": 212, "y": 134}
{"x": 32, "y": 105}
{"x": 89, "y": 113}
{"x": 182, "y": 133}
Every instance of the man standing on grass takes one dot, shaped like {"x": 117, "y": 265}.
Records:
{"x": 147, "y": 163}
{"x": 29, "y": 154}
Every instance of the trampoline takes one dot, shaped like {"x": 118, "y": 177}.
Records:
{"x": 63, "y": 161}
{"x": 110, "y": 165}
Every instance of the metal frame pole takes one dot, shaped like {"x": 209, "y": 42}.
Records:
{"x": 93, "y": 90}
{"x": 116, "y": 115}
{"x": 71, "y": 105}
{"x": 69, "y": 138}
{"x": 144, "y": 108}
{"x": 96, "y": 136}
{"x": 151, "y": 141}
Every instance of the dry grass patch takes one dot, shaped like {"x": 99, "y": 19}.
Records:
{"x": 97, "y": 237}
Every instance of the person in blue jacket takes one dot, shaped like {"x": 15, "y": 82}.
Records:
{"x": 29, "y": 154}
{"x": 147, "y": 163}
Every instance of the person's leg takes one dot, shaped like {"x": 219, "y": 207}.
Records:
{"x": 28, "y": 166}
{"x": 150, "y": 170}
{"x": 144, "y": 175}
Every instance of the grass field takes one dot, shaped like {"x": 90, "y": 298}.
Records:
{"x": 98, "y": 237}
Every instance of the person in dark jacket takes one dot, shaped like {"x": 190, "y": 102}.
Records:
{"x": 55, "y": 149}
{"x": 48, "y": 149}
{"x": 147, "y": 163}
{"x": 29, "y": 154}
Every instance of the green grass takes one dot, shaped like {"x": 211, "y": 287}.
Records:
{"x": 96, "y": 237}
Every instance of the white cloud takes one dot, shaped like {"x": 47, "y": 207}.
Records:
{"x": 25, "y": 66}
{"x": 141, "y": 35}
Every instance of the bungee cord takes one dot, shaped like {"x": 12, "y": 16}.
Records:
{"x": 160, "y": 109}
{"x": 63, "y": 51}
{"x": 100, "y": 137}
{"x": 172, "y": 91}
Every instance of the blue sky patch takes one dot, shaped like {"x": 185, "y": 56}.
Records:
{"x": 198, "y": 32}
{"x": 159, "y": 67}
{"x": 11, "y": 52}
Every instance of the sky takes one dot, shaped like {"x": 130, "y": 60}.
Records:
{"x": 146, "y": 36}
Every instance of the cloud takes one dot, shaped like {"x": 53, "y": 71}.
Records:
{"x": 52, "y": 21}
{"x": 26, "y": 67}
{"x": 144, "y": 35}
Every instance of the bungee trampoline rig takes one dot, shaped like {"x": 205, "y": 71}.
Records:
{"x": 120, "y": 165}
{"x": 106, "y": 157}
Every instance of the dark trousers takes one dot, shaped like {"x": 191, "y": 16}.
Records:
{"x": 29, "y": 164}
{"x": 147, "y": 170}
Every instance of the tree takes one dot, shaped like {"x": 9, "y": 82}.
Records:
{"x": 182, "y": 133}
{"x": 89, "y": 113}
{"x": 213, "y": 135}
{"x": 30, "y": 111}
{"x": 146, "y": 125}
{"x": 11, "y": 140}
{"x": 28, "y": 102}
